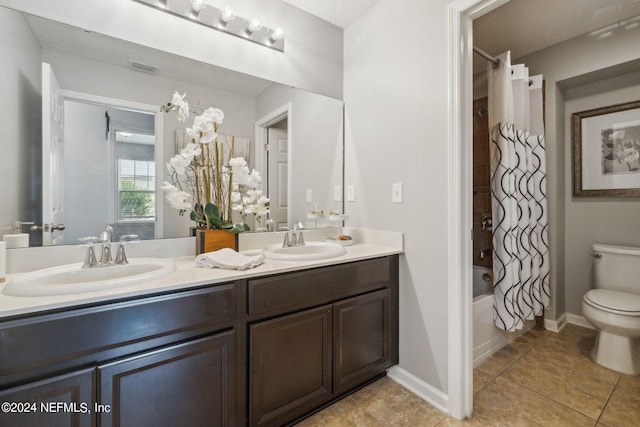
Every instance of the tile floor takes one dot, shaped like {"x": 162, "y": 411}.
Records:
{"x": 541, "y": 379}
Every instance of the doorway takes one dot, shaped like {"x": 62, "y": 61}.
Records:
{"x": 273, "y": 155}
{"x": 109, "y": 178}
{"x": 460, "y": 66}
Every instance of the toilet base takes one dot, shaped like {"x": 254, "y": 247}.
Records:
{"x": 617, "y": 352}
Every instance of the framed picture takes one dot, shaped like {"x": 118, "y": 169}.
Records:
{"x": 606, "y": 151}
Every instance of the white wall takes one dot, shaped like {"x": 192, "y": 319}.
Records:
{"x": 20, "y": 109}
{"x": 316, "y": 146}
{"x": 396, "y": 131}
{"x": 313, "y": 48}
{"x": 564, "y": 66}
{"x": 595, "y": 220}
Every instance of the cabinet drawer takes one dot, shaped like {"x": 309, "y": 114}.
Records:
{"x": 41, "y": 344}
{"x": 318, "y": 286}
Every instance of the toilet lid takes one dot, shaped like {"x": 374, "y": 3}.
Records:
{"x": 614, "y": 301}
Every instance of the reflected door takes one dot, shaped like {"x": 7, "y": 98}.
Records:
{"x": 278, "y": 175}
{"x": 52, "y": 158}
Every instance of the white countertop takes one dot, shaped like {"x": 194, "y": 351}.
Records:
{"x": 185, "y": 276}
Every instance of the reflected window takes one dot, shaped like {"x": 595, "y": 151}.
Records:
{"x": 136, "y": 189}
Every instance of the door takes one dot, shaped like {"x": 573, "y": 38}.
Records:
{"x": 361, "y": 339}
{"x": 290, "y": 366}
{"x": 190, "y": 384}
{"x": 65, "y": 400}
{"x": 278, "y": 175}
{"x": 52, "y": 159}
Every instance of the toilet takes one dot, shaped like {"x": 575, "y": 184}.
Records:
{"x": 613, "y": 307}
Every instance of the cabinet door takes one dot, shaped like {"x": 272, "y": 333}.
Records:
{"x": 190, "y": 384}
{"x": 361, "y": 339}
{"x": 290, "y": 366}
{"x": 65, "y": 400}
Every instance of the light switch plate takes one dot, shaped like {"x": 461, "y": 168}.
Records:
{"x": 309, "y": 195}
{"x": 396, "y": 192}
{"x": 351, "y": 193}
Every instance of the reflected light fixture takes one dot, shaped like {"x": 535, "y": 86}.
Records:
{"x": 226, "y": 16}
{"x": 221, "y": 19}
{"x": 275, "y": 35}
{"x": 196, "y": 7}
{"x": 253, "y": 27}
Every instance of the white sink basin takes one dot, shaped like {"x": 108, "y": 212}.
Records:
{"x": 311, "y": 250}
{"x": 72, "y": 278}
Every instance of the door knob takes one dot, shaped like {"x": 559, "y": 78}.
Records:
{"x": 47, "y": 227}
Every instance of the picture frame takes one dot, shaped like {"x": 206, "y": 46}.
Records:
{"x": 606, "y": 151}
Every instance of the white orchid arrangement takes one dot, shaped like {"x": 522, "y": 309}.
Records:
{"x": 216, "y": 187}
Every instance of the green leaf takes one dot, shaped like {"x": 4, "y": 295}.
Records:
{"x": 213, "y": 215}
{"x": 238, "y": 227}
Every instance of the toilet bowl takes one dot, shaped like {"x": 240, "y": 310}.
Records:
{"x": 613, "y": 308}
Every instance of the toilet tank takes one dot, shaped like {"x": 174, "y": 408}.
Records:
{"x": 617, "y": 268}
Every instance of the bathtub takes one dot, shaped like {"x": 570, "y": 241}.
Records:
{"x": 487, "y": 339}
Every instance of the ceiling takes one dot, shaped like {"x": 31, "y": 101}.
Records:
{"x": 526, "y": 26}
{"x": 338, "y": 12}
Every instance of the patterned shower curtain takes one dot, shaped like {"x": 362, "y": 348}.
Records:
{"x": 518, "y": 195}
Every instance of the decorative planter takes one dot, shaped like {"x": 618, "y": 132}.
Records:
{"x": 212, "y": 240}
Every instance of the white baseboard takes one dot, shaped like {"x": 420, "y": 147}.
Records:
{"x": 486, "y": 349}
{"x": 425, "y": 391}
{"x": 556, "y": 325}
{"x": 576, "y": 319}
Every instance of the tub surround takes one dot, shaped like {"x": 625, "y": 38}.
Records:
{"x": 369, "y": 244}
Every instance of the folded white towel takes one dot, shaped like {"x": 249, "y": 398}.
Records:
{"x": 228, "y": 259}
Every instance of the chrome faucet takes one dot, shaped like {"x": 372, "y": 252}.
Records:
{"x": 121, "y": 256}
{"x": 297, "y": 239}
{"x": 105, "y": 240}
{"x": 90, "y": 258}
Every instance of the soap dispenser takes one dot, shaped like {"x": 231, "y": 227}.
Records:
{"x": 17, "y": 239}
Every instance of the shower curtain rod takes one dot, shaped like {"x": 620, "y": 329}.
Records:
{"x": 494, "y": 61}
{"x": 485, "y": 55}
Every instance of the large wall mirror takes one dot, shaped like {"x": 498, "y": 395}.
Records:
{"x": 95, "y": 154}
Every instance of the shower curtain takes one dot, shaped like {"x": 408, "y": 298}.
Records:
{"x": 518, "y": 195}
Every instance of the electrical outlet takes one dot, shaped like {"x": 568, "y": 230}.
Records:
{"x": 309, "y": 195}
{"x": 351, "y": 193}
{"x": 396, "y": 192}
{"x": 337, "y": 194}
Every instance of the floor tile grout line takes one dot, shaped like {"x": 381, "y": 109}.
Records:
{"x": 609, "y": 399}
{"x": 559, "y": 403}
{"x": 540, "y": 394}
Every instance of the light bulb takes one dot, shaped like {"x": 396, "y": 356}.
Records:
{"x": 226, "y": 16}
{"x": 253, "y": 26}
{"x": 196, "y": 7}
{"x": 162, "y": 3}
{"x": 276, "y": 35}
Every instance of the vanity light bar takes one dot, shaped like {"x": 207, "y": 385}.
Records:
{"x": 224, "y": 20}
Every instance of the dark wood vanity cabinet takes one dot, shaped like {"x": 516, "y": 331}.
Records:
{"x": 167, "y": 359}
{"x": 187, "y": 384}
{"x": 290, "y": 365}
{"x": 63, "y": 400}
{"x": 264, "y": 351}
{"x": 301, "y": 358}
